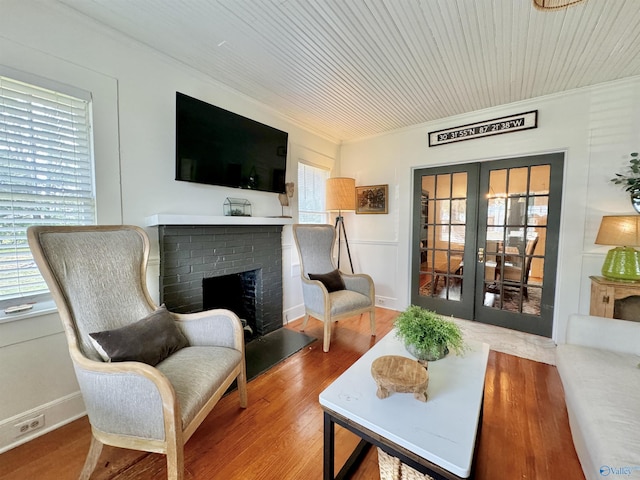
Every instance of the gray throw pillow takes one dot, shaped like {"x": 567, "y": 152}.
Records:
{"x": 149, "y": 340}
{"x": 332, "y": 280}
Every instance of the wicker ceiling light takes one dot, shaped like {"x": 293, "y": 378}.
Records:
{"x": 554, "y": 4}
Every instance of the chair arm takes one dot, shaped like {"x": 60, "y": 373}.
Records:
{"x": 127, "y": 398}
{"x": 315, "y": 295}
{"x": 219, "y": 327}
{"x": 361, "y": 283}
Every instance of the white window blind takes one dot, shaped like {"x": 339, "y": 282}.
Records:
{"x": 46, "y": 175}
{"x": 311, "y": 194}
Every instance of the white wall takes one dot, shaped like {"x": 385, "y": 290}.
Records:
{"x": 133, "y": 92}
{"x": 596, "y": 128}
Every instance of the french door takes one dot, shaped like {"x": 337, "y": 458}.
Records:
{"x": 485, "y": 239}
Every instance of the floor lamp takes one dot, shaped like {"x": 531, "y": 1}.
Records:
{"x": 341, "y": 197}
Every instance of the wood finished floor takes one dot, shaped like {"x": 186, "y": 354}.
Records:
{"x": 525, "y": 432}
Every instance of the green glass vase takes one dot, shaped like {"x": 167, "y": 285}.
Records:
{"x": 622, "y": 263}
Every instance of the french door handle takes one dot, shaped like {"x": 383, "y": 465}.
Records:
{"x": 480, "y": 255}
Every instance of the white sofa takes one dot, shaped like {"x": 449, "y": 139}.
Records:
{"x": 600, "y": 371}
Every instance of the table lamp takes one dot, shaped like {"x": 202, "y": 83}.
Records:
{"x": 341, "y": 197}
{"x": 623, "y": 261}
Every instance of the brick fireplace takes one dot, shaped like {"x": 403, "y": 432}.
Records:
{"x": 193, "y": 255}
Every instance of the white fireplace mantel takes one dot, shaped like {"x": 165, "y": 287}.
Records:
{"x": 176, "y": 219}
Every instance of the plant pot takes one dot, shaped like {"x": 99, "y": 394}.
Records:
{"x": 635, "y": 200}
{"x": 427, "y": 355}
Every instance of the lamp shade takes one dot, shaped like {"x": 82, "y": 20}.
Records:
{"x": 619, "y": 230}
{"x": 623, "y": 261}
{"x": 341, "y": 194}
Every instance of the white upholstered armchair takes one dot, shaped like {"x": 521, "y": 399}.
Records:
{"x": 148, "y": 377}
{"x": 329, "y": 295}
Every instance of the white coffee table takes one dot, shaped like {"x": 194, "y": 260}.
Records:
{"x": 436, "y": 437}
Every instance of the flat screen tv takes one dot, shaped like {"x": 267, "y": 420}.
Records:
{"x": 218, "y": 147}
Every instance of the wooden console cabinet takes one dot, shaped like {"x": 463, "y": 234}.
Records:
{"x": 613, "y": 299}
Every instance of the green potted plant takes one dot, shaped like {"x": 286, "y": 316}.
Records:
{"x": 630, "y": 181}
{"x": 427, "y": 335}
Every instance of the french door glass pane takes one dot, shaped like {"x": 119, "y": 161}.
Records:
{"x": 442, "y": 234}
{"x": 518, "y": 200}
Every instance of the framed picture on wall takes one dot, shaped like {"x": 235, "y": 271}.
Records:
{"x": 372, "y": 199}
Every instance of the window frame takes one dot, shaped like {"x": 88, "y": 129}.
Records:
{"x": 34, "y": 83}
{"x": 302, "y": 188}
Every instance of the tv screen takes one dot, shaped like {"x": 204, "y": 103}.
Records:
{"x": 218, "y": 147}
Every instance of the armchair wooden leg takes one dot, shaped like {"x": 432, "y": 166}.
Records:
{"x": 372, "y": 321}
{"x": 305, "y": 321}
{"x": 92, "y": 458}
{"x": 242, "y": 389}
{"x": 327, "y": 335}
{"x": 175, "y": 462}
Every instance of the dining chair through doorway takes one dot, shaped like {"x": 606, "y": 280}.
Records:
{"x": 520, "y": 274}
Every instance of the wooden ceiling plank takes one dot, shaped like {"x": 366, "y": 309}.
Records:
{"x": 360, "y": 67}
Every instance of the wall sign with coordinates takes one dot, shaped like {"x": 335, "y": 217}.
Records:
{"x": 496, "y": 126}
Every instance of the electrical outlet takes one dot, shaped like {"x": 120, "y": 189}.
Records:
{"x": 380, "y": 301}
{"x": 29, "y": 425}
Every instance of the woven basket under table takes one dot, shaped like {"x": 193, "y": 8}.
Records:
{"x": 391, "y": 468}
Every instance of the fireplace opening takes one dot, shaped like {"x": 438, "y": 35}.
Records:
{"x": 235, "y": 292}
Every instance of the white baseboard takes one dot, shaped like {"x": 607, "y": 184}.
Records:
{"x": 56, "y": 414}
{"x": 293, "y": 313}
{"x": 297, "y": 312}
{"x": 389, "y": 303}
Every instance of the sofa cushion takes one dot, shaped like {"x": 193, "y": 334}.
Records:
{"x": 602, "y": 393}
{"x": 345, "y": 301}
{"x": 332, "y": 281}
{"x": 196, "y": 373}
{"x": 149, "y": 340}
